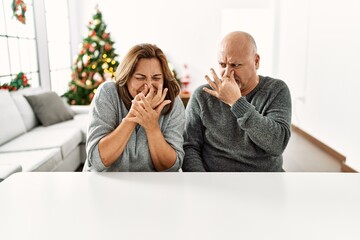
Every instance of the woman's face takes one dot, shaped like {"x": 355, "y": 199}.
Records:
{"x": 147, "y": 72}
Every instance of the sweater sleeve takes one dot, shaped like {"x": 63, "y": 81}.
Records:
{"x": 193, "y": 137}
{"x": 270, "y": 129}
{"x": 102, "y": 120}
{"x": 173, "y": 133}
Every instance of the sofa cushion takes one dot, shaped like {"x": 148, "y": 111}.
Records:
{"x": 66, "y": 139}
{"x": 27, "y": 113}
{"x": 80, "y": 121}
{"x": 37, "y": 160}
{"x": 11, "y": 122}
{"x": 80, "y": 109}
{"x": 49, "y": 108}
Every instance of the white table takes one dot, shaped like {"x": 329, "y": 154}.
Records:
{"x": 180, "y": 206}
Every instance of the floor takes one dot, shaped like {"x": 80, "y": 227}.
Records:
{"x": 302, "y": 156}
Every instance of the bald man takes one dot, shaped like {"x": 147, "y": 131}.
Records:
{"x": 240, "y": 121}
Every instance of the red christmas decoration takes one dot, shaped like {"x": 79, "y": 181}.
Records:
{"x": 19, "y": 10}
{"x": 20, "y": 81}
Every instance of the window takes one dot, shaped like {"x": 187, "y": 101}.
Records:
{"x": 17, "y": 45}
{"x": 58, "y": 42}
{"x": 21, "y": 45}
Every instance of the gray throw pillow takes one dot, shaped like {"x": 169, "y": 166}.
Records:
{"x": 49, "y": 108}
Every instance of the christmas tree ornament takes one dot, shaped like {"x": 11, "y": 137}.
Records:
{"x": 185, "y": 80}
{"x": 105, "y": 66}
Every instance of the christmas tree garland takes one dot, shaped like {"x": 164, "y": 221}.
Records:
{"x": 20, "y": 81}
{"x": 19, "y": 10}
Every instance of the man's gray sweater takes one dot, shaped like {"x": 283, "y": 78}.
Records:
{"x": 249, "y": 136}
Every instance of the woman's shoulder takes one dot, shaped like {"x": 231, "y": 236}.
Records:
{"x": 106, "y": 91}
{"x": 108, "y": 85}
{"x": 178, "y": 101}
{"x": 107, "y": 88}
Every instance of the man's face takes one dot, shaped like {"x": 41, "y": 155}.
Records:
{"x": 242, "y": 60}
{"x": 147, "y": 72}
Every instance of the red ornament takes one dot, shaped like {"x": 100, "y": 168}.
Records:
{"x": 105, "y": 35}
{"x": 107, "y": 46}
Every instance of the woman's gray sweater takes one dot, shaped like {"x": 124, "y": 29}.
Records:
{"x": 106, "y": 113}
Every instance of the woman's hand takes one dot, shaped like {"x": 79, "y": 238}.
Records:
{"x": 156, "y": 97}
{"x": 141, "y": 111}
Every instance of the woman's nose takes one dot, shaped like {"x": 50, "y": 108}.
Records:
{"x": 148, "y": 82}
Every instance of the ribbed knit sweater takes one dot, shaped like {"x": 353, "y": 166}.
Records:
{"x": 249, "y": 136}
{"x": 106, "y": 113}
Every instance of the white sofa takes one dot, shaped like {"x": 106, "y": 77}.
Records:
{"x": 26, "y": 143}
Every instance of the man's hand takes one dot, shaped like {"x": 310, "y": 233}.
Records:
{"x": 226, "y": 89}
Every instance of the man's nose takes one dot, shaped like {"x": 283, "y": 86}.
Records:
{"x": 227, "y": 70}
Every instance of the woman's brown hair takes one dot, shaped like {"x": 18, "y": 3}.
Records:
{"x": 127, "y": 67}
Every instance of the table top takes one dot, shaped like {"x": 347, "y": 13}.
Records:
{"x": 180, "y": 206}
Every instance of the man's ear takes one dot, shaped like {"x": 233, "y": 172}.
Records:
{"x": 257, "y": 61}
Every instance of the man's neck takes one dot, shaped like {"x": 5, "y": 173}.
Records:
{"x": 251, "y": 87}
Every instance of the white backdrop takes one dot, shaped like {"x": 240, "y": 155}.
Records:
{"x": 187, "y": 31}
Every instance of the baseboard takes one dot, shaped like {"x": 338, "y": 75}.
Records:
{"x": 346, "y": 168}
{"x": 338, "y": 156}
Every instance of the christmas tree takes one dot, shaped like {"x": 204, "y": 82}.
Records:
{"x": 93, "y": 65}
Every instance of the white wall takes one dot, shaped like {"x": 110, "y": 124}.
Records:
{"x": 188, "y": 31}
{"x": 316, "y": 44}
{"x": 319, "y": 56}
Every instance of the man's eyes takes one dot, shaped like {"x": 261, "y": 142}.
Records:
{"x": 233, "y": 65}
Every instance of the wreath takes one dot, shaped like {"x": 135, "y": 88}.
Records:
{"x": 19, "y": 10}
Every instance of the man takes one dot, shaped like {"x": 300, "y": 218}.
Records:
{"x": 241, "y": 121}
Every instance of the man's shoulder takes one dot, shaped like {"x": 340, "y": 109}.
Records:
{"x": 270, "y": 80}
{"x": 200, "y": 93}
{"x": 273, "y": 83}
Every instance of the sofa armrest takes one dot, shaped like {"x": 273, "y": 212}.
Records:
{"x": 80, "y": 109}
{"x": 7, "y": 169}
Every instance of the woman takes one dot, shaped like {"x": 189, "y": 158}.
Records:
{"x": 137, "y": 122}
